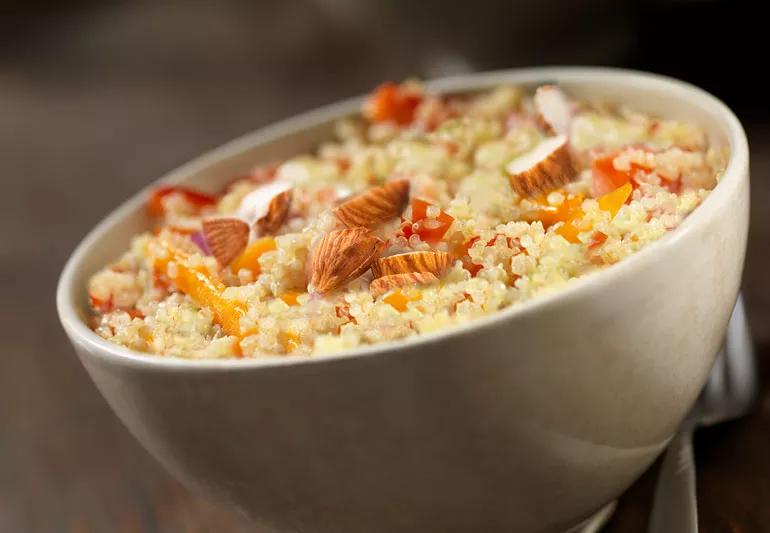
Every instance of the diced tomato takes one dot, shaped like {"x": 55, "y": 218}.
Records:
{"x": 597, "y": 239}
{"x": 430, "y": 230}
{"x": 461, "y": 252}
{"x": 392, "y": 103}
{"x": 607, "y": 178}
{"x": 674, "y": 186}
{"x": 343, "y": 164}
{"x": 196, "y": 198}
{"x": 419, "y": 209}
{"x": 107, "y": 305}
{"x": 343, "y": 311}
{"x": 103, "y": 306}
{"x": 135, "y": 313}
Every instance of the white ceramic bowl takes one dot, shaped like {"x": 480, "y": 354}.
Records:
{"x": 527, "y": 420}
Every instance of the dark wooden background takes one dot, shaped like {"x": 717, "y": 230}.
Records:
{"x": 98, "y": 99}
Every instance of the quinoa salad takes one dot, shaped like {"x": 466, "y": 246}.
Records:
{"x": 423, "y": 212}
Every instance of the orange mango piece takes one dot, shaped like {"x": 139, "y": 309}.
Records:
{"x": 249, "y": 259}
{"x": 290, "y": 297}
{"x": 289, "y": 340}
{"x": 569, "y": 232}
{"x": 399, "y": 301}
{"x": 203, "y": 287}
{"x": 549, "y": 214}
{"x": 613, "y": 201}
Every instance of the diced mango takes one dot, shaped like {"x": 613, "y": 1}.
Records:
{"x": 203, "y": 287}
{"x": 399, "y": 301}
{"x": 290, "y": 297}
{"x": 569, "y": 232}
{"x": 249, "y": 259}
{"x": 289, "y": 340}
{"x": 569, "y": 209}
{"x": 613, "y": 201}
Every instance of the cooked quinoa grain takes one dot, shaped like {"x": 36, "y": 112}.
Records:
{"x": 424, "y": 212}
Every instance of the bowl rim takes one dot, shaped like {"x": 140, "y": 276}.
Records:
{"x": 735, "y": 171}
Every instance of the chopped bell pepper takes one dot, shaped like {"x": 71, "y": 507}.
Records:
{"x": 597, "y": 239}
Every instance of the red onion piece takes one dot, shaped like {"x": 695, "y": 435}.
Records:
{"x": 200, "y": 241}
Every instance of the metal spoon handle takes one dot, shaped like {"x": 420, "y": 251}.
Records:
{"x": 675, "y": 509}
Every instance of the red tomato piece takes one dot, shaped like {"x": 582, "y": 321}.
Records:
{"x": 597, "y": 239}
{"x": 607, "y": 178}
{"x": 430, "y": 230}
{"x": 196, "y": 198}
{"x": 461, "y": 252}
{"x": 391, "y": 103}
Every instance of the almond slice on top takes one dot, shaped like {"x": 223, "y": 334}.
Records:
{"x": 547, "y": 167}
{"x": 277, "y": 210}
{"x": 341, "y": 256}
{"x": 435, "y": 263}
{"x": 226, "y": 238}
{"x": 266, "y": 207}
{"x": 375, "y": 206}
{"x": 380, "y": 286}
{"x": 553, "y": 108}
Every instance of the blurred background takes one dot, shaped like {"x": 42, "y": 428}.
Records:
{"x": 98, "y": 98}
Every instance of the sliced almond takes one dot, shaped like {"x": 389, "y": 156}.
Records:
{"x": 341, "y": 256}
{"x": 380, "y": 286}
{"x": 374, "y": 206}
{"x": 265, "y": 208}
{"x": 547, "y": 167}
{"x": 427, "y": 261}
{"x": 277, "y": 210}
{"x": 553, "y": 108}
{"x": 226, "y": 238}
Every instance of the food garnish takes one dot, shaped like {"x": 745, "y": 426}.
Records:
{"x": 546, "y": 168}
{"x": 435, "y": 262}
{"x": 380, "y": 286}
{"x": 343, "y": 255}
{"x": 226, "y": 238}
{"x": 374, "y": 206}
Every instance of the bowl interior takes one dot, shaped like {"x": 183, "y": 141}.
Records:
{"x": 653, "y": 94}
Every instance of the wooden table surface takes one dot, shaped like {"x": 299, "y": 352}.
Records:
{"x": 86, "y": 121}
